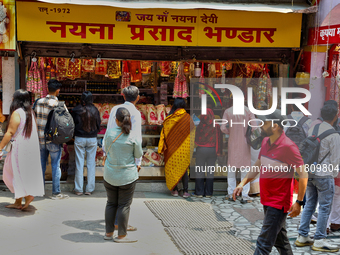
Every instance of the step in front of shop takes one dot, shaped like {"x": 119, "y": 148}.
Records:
{"x": 144, "y": 186}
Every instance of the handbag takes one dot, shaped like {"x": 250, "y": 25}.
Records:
{"x": 8, "y": 146}
{"x": 104, "y": 158}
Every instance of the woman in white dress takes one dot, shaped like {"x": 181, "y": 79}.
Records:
{"x": 22, "y": 170}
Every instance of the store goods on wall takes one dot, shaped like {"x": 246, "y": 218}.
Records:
{"x": 159, "y": 83}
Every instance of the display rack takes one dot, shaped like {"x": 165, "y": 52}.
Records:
{"x": 149, "y": 141}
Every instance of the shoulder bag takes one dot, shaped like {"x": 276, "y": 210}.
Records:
{"x": 104, "y": 159}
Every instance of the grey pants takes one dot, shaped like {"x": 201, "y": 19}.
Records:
{"x": 119, "y": 199}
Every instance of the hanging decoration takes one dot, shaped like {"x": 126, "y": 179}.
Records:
{"x": 338, "y": 80}
{"x": 73, "y": 70}
{"x": 146, "y": 67}
{"x": 187, "y": 67}
{"x": 166, "y": 69}
{"x": 228, "y": 66}
{"x": 218, "y": 68}
{"x": 212, "y": 75}
{"x": 34, "y": 83}
{"x": 88, "y": 65}
{"x": 201, "y": 80}
{"x": 113, "y": 69}
{"x": 101, "y": 67}
{"x": 192, "y": 70}
{"x": 180, "y": 88}
{"x": 264, "y": 90}
{"x": 43, "y": 77}
{"x": 135, "y": 71}
{"x": 61, "y": 67}
{"x": 125, "y": 77}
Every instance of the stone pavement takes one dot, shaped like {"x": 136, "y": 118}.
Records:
{"x": 76, "y": 226}
{"x": 247, "y": 220}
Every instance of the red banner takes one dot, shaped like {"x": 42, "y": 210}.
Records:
{"x": 324, "y": 35}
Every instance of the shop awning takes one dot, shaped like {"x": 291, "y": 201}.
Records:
{"x": 198, "y": 4}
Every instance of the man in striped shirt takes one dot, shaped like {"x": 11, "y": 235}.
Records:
{"x": 42, "y": 109}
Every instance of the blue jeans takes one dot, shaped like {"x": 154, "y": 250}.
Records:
{"x": 82, "y": 144}
{"x": 54, "y": 150}
{"x": 322, "y": 190}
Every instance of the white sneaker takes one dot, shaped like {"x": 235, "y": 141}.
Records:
{"x": 302, "y": 241}
{"x": 323, "y": 245}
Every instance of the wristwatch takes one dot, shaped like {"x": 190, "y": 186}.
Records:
{"x": 299, "y": 202}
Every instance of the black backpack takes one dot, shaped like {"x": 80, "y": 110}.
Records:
{"x": 296, "y": 134}
{"x": 309, "y": 148}
{"x": 60, "y": 126}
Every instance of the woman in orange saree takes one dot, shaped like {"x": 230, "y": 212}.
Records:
{"x": 176, "y": 144}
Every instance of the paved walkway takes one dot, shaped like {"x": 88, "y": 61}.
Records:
{"x": 247, "y": 220}
{"x": 76, "y": 226}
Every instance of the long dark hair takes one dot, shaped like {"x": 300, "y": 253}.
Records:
{"x": 123, "y": 116}
{"x": 87, "y": 117}
{"x": 178, "y": 104}
{"x": 21, "y": 99}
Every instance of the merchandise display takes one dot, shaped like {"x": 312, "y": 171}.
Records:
{"x": 153, "y": 158}
{"x": 159, "y": 84}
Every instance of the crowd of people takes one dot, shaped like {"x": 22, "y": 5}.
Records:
{"x": 122, "y": 146}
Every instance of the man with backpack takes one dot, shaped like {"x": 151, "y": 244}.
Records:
{"x": 320, "y": 187}
{"x": 336, "y": 124}
{"x": 42, "y": 109}
{"x": 297, "y": 133}
{"x": 334, "y": 218}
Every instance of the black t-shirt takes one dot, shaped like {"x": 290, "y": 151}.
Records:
{"x": 76, "y": 114}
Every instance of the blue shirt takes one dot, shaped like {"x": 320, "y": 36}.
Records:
{"x": 120, "y": 168}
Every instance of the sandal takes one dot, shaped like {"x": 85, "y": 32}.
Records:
{"x": 88, "y": 193}
{"x": 230, "y": 198}
{"x": 124, "y": 240}
{"x": 108, "y": 237}
{"x": 246, "y": 200}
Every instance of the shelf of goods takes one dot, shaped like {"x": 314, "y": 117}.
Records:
{"x": 152, "y": 120}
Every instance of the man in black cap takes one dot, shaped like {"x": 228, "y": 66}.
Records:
{"x": 278, "y": 158}
{"x": 42, "y": 109}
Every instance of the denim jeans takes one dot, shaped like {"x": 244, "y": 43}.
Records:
{"x": 273, "y": 233}
{"x": 318, "y": 190}
{"x": 185, "y": 182}
{"x": 54, "y": 150}
{"x": 205, "y": 157}
{"x": 82, "y": 144}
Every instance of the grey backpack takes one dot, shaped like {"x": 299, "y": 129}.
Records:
{"x": 60, "y": 126}
{"x": 296, "y": 134}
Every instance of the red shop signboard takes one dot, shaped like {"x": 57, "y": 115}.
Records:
{"x": 324, "y": 35}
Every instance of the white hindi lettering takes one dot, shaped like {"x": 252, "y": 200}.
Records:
{"x": 327, "y": 32}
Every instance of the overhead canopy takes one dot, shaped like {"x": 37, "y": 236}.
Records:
{"x": 298, "y": 7}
